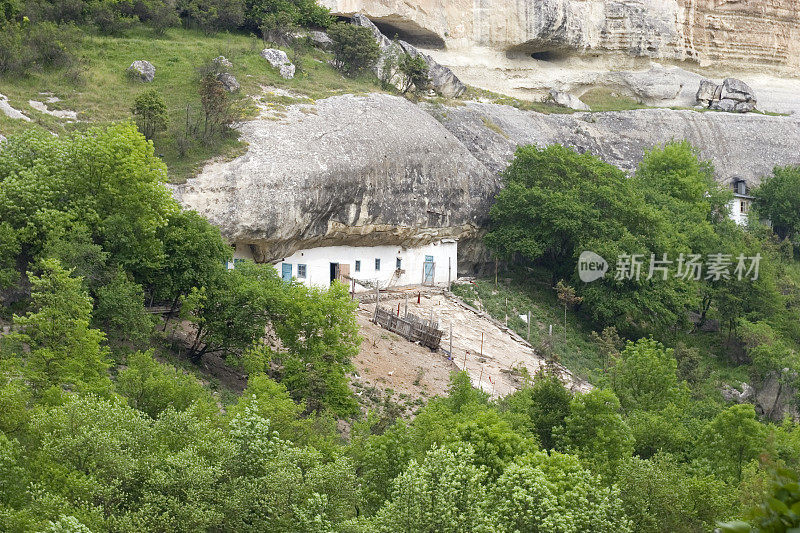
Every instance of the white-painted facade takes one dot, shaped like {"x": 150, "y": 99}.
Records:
{"x": 741, "y": 203}
{"x": 386, "y": 266}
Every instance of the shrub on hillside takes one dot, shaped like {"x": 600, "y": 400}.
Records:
{"x": 212, "y": 15}
{"x": 354, "y": 48}
{"x": 414, "y": 72}
{"x": 24, "y": 47}
{"x": 150, "y": 113}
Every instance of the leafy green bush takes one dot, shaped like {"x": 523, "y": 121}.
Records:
{"x": 24, "y": 47}
{"x": 414, "y": 72}
{"x": 354, "y": 48}
{"x": 150, "y": 113}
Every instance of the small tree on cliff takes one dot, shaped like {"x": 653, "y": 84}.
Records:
{"x": 354, "y": 48}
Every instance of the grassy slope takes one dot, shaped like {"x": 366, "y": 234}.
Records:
{"x": 517, "y": 292}
{"x": 103, "y": 92}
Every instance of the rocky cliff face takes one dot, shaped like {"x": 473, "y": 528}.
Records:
{"x": 527, "y": 48}
{"x": 750, "y": 32}
{"x": 377, "y": 169}
{"x": 349, "y": 170}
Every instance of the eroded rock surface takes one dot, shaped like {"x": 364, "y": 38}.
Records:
{"x": 524, "y": 49}
{"x": 365, "y": 170}
{"x": 744, "y": 146}
{"x": 377, "y": 169}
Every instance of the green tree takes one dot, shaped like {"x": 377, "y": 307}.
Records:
{"x": 318, "y": 328}
{"x": 150, "y": 113}
{"x": 414, "y": 71}
{"x": 595, "y": 431}
{"x": 195, "y": 256}
{"x": 543, "y": 406}
{"x": 662, "y": 495}
{"x": 645, "y": 377}
{"x": 777, "y": 199}
{"x": 61, "y": 350}
{"x": 732, "y": 439}
{"x": 120, "y": 312}
{"x": 152, "y": 387}
{"x": 354, "y": 48}
{"x": 106, "y": 179}
{"x": 554, "y": 493}
{"x": 557, "y": 203}
{"x": 443, "y": 493}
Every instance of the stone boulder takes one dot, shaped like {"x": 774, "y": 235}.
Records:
{"x": 732, "y": 394}
{"x": 568, "y": 100}
{"x": 442, "y": 79}
{"x": 222, "y": 63}
{"x": 142, "y": 70}
{"x": 732, "y": 96}
{"x": 320, "y": 39}
{"x": 228, "y": 82}
{"x": 279, "y": 60}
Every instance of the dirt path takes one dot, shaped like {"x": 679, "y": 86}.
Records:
{"x": 412, "y": 372}
{"x": 497, "y": 365}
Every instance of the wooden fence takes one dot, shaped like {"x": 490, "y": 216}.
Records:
{"x": 411, "y": 327}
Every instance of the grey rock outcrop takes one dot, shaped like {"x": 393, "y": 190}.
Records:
{"x": 142, "y": 70}
{"x": 775, "y": 397}
{"x": 378, "y": 169}
{"x": 732, "y": 394}
{"x": 732, "y": 96}
{"x": 228, "y": 82}
{"x": 746, "y": 146}
{"x": 364, "y": 170}
{"x": 320, "y": 39}
{"x": 279, "y": 59}
{"x": 442, "y": 79}
{"x": 568, "y": 100}
{"x": 222, "y": 62}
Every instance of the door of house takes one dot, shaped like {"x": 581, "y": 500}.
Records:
{"x": 429, "y": 268}
{"x": 334, "y": 271}
{"x": 344, "y": 273}
{"x": 286, "y": 271}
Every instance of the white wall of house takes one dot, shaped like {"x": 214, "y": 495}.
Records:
{"x": 313, "y": 266}
{"x": 740, "y": 207}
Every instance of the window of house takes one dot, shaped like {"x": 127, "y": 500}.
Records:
{"x": 377, "y": 264}
{"x": 301, "y": 271}
{"x": 358, "y": 266}
{"x": 399, "y": 264}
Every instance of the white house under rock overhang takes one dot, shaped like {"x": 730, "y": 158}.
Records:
{"x": 365, "y": 267}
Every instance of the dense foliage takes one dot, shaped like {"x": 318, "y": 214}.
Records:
{"x": 100, "y": 430}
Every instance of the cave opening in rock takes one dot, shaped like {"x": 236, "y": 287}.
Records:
{"x": 545, "y": 55}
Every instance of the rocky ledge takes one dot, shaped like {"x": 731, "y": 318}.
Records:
{"x": 377, "y": 169}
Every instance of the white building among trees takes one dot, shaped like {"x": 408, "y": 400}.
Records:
{"x": 365, "y": 267}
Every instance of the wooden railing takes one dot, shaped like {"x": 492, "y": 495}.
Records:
{"x": 411, "y": 327}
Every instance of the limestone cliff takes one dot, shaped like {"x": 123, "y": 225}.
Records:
{"x": 377, "y": 169}
{"x": 357, "y": 170}
{"x": 526, "y": 48}
{"x": 749, "y": 32}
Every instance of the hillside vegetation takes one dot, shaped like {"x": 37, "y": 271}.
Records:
{"x": 100, "y": 430}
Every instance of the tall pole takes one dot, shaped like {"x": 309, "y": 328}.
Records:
{"x": 449, "y": 270}
{"x": 529, "y": 326}
{"x": 451, "y": 340}
{"x": 377, "y": 301}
